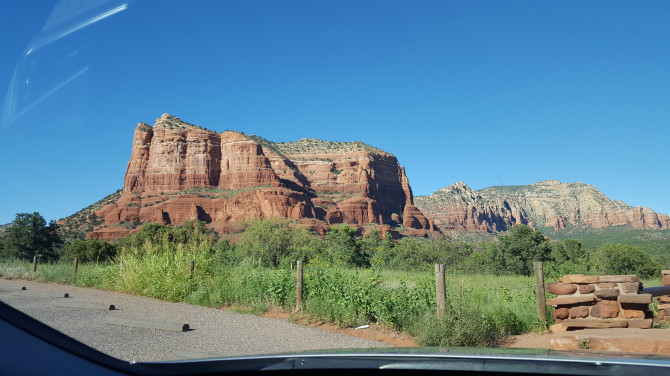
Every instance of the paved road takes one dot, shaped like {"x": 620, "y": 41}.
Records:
{"x": 214, "y": 332}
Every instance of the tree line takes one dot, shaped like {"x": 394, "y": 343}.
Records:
{"x": 275, "y": 241}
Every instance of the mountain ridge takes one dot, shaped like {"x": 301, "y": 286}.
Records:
{"x": 548, "y": 204}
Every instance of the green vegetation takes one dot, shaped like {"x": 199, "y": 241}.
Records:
{"x": 516, "y": 252}
{"x": 89, "y": 250}
{"x": 272, "y": 242}
{"x": 656, "y": 243}
{"x": 348, "y": 280}
{"x": 625, "y": 259}
{"x": 510, "y": 189}
{"x": 346, "y": 296}
{"x": 209, "y": 192}
{"x": 312, "y": 145}
{"x": 30, "y": 236}
{"x": 82, "y": 222}
{"x": 265, "y": 143}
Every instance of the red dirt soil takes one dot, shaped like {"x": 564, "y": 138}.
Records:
{"x": 374, "y": 332}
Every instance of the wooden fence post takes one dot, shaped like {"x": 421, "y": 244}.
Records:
{"x": 76, "y": 265}
{"x": 192, "y": 268}
{"x": 298, "y": 300}
{"x": 539, "y": 290}
{"x": 440, "y": 290}
{"x": 34, "y": 263}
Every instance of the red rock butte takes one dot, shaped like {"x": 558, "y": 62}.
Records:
{"x": 179, "y": 172}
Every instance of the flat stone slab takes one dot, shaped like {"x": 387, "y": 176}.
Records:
{"x": 588, "y": 279}
{"x": 568, "y": 300}
{"x": 594, "y": 323}
{"x": 579, "y": 279}
{"x": 103, "y": 307}
{"x": 160, "y": 325}
{"x": 640, "y": 324}
{"x": 635, "y": 299}
{"x": 618, "y": 278}
{"x": 648, "y": 341}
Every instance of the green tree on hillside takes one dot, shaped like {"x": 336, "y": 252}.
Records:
{"x": 160, "y": 238}
{"x": 568, "y": 250}
{"x": 625, "y": 259}
{"x": 342, "y": 245}
{"x": 30, "y": 235}
{"x": 516, "y": 251}
{"x": 567, "y": 257}
{"x": 89, "y": 250}
{"x": 273, "y": 241}
{"x": 376, "y": 247}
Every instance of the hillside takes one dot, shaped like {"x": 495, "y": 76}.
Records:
{"x": 84, "y": 221}
{"x": 544, "y": 205}
{"x": 179, "y": 172}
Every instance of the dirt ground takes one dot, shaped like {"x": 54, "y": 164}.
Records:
{"x": 374, "y": 332}
{"x": 529, "y": 341}
{"x": 622, "y": 341}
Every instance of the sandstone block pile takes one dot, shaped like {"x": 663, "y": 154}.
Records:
{"x": 609, "y": 301}
{"x": 664, "y": 301}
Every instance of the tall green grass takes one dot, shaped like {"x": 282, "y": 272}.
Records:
{"x": 480, "y": 308}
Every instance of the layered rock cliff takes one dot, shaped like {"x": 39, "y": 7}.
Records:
{"x": 178, "y": 172}
{"x": 545, "y": 204}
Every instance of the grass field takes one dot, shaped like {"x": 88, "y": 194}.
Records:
{"x": 481, "y": 308}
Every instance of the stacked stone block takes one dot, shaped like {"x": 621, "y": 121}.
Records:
{"x": 664, "y": 301}
{"x": 609, "y": 301}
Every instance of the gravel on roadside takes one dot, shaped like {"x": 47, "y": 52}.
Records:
{"x": 214, "y": 332}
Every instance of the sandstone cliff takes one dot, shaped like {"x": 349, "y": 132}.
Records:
{"x": 178, "y": 172}
{"x": 544, "y": 204}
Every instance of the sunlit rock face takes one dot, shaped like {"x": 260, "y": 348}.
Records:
{"x": 179, "y": 172}
{"x": 545, "y": 204}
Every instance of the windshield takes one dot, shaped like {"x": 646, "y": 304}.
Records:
{"x": 240, "y": 178}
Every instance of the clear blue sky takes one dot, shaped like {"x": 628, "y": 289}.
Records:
{"x": 486, "y": 92}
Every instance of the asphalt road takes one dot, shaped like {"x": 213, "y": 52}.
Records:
{"x": 214, "y": 332}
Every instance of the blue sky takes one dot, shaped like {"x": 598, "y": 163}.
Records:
{"x": 485, "y": 92}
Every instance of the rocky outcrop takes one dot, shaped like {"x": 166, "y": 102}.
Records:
{"x": 179, "y": 172}
{"x": 548, "y": 203}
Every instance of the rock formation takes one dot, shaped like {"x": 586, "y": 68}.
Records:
{"x": 545, "y": 204}
{"x": 178, "y": 172}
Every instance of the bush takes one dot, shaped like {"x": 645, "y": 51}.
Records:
{"x": 273, "y": 241}
{"x": 516, "y": 251}
{"x": 342, "y": 245}
{"x": 466, "y": 327}
{"x": 89, "y": 250}
{"x": 625, "y": 259}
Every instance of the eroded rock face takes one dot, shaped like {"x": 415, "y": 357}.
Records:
{"x": 179, "y": 172}
{"x": 545, "y": 204}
